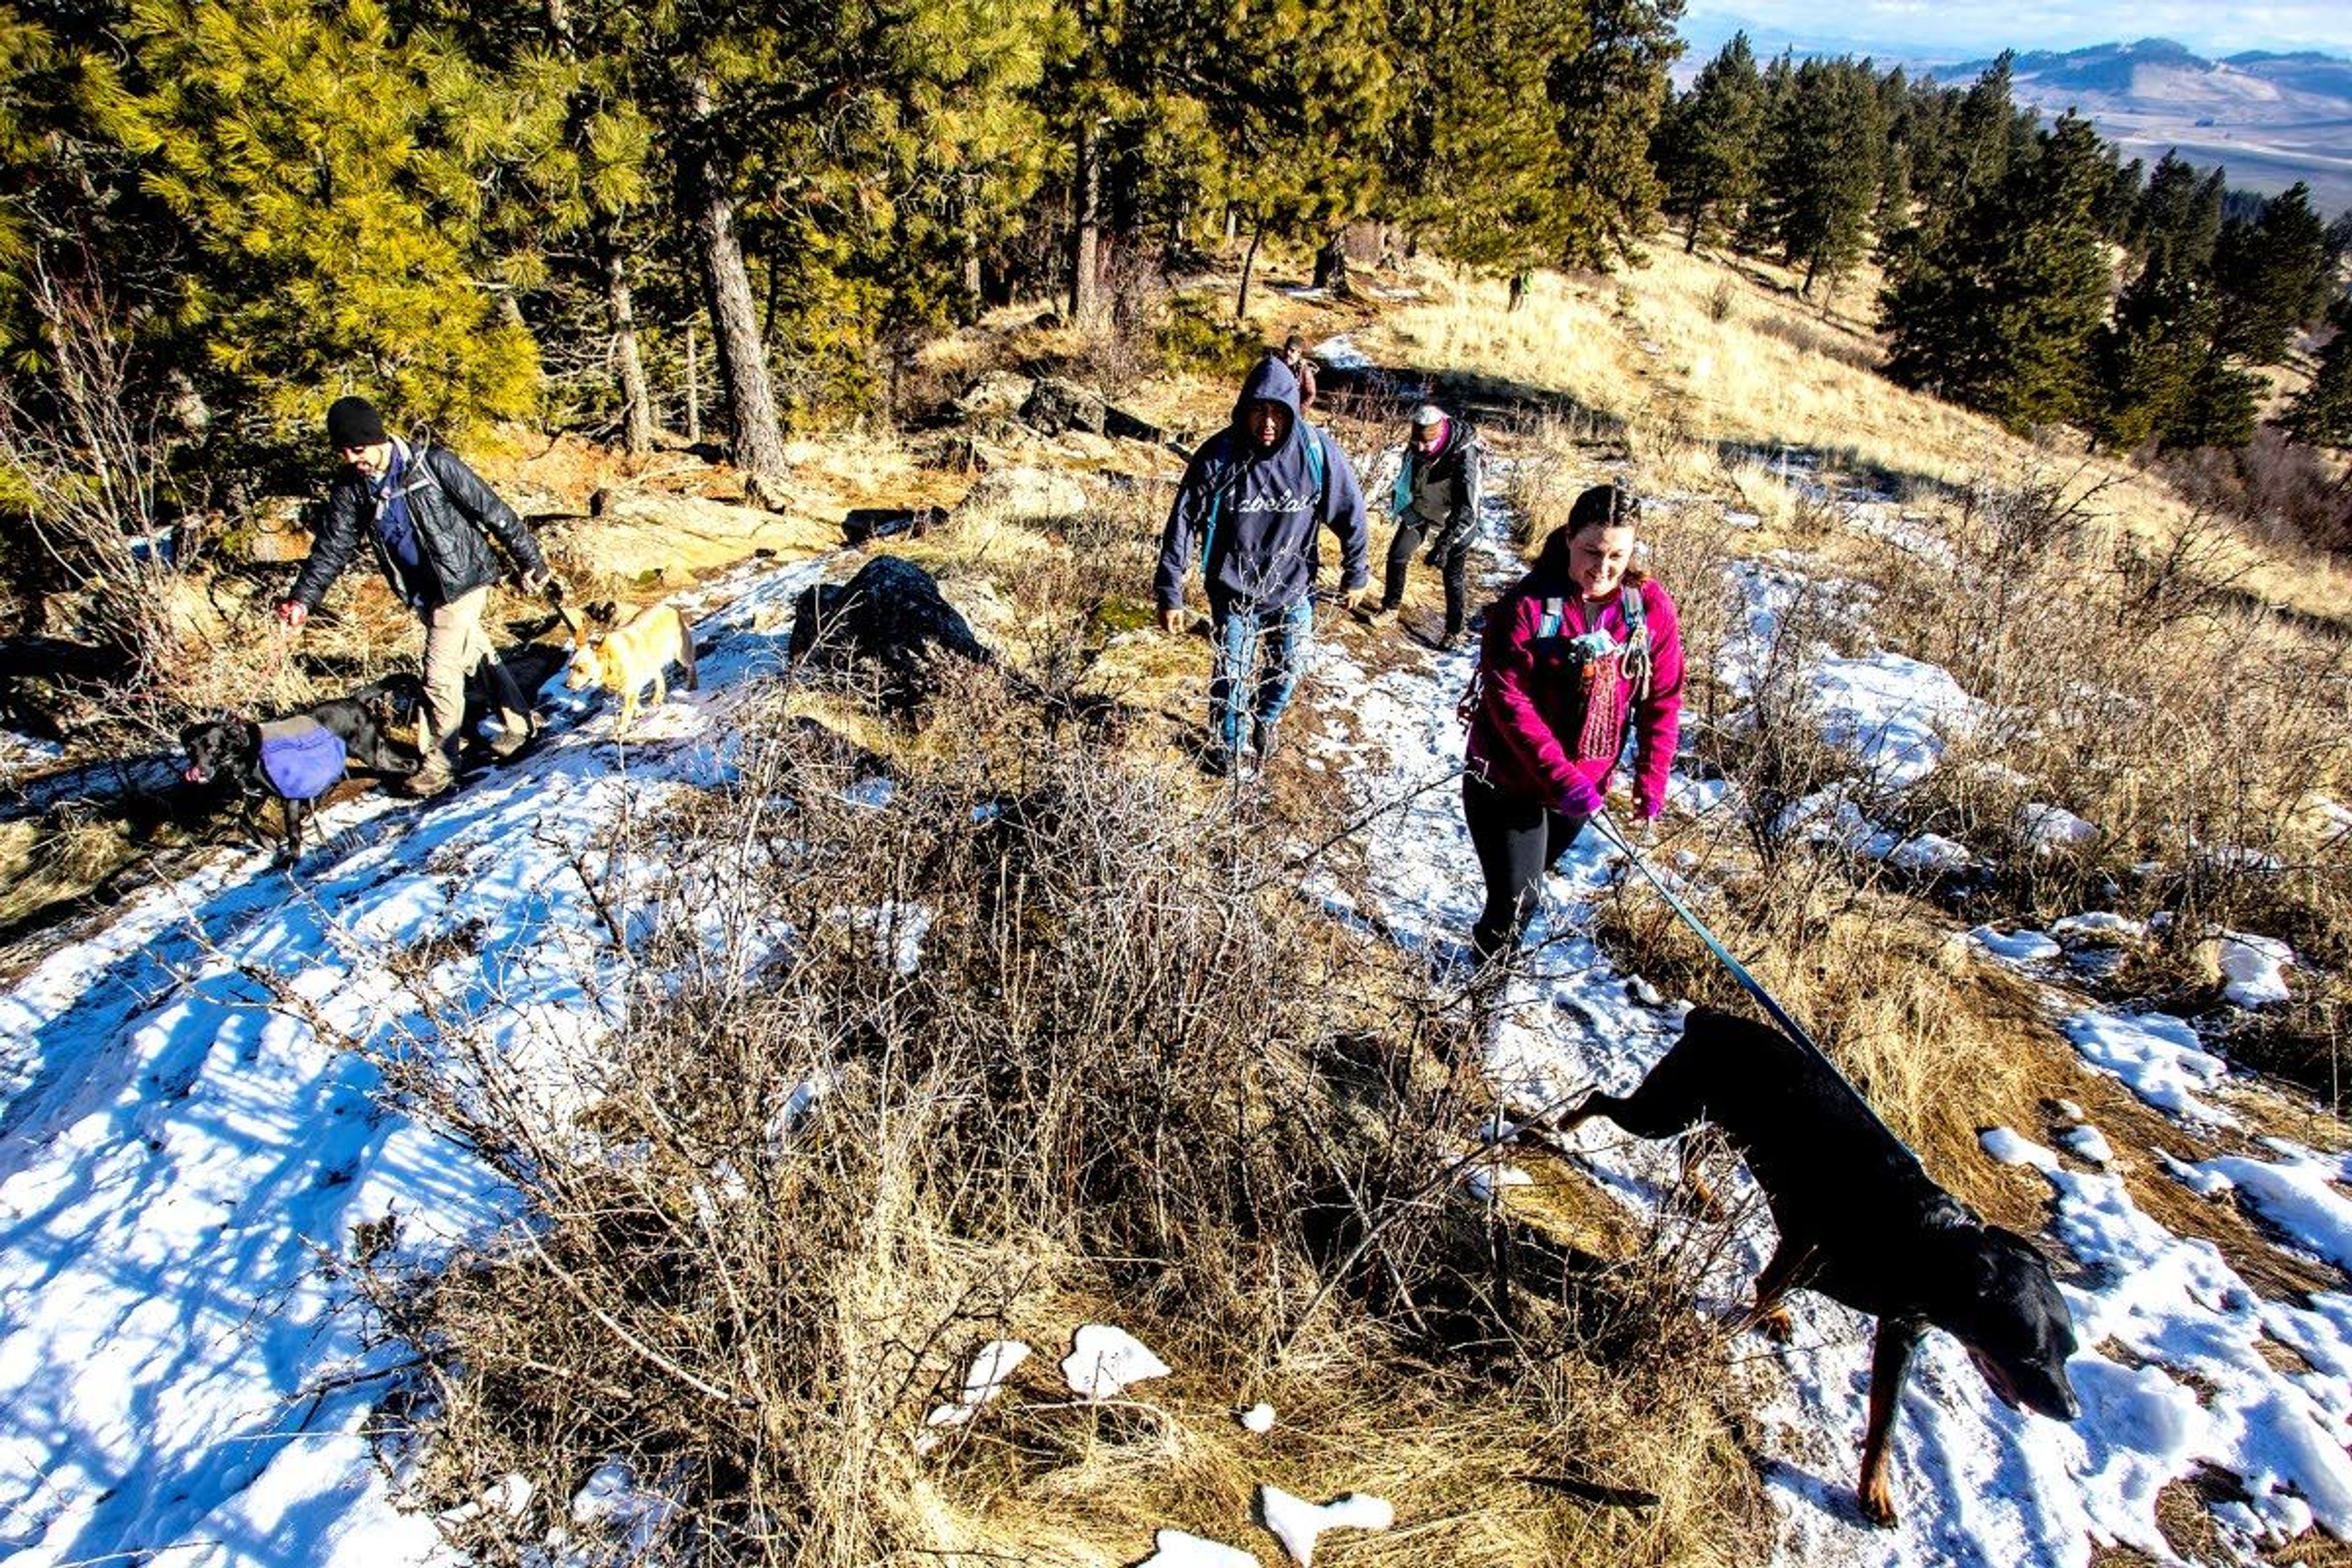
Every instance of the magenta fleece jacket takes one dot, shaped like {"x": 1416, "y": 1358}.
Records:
{"x": 1523, "y": 735}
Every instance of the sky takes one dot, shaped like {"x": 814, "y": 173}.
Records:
{"x": 1962, "y": 29}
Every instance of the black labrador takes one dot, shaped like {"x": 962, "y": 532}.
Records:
{"x": 1860, "y": 1221}
{"x": 226, "y": 754}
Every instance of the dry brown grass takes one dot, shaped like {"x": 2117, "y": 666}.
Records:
{"x": 1125, "y": 1082}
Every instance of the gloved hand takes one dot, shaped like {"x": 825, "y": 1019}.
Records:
{"x": 1581, "y": 798}
{"x": 531, "y": 580}
{"x": 291, "y": 614}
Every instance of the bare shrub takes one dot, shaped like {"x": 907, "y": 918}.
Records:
{"x": 101, "y": 548}
{"x": 1041, "y": 1036}
{"x": 2288, "y": 493}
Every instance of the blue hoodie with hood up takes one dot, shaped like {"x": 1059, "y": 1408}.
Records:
{"x": 1250, "y": 518}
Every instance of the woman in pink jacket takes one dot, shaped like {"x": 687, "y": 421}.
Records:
{"x": 1580, "y": 647}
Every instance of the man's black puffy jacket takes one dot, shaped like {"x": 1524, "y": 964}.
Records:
{"x": 453, "y": 510}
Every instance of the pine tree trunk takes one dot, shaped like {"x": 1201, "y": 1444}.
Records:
{"x": 759, "y": 447}
{"x": 1249, "y": 265}
{"x": 1518, "y": 289}
{"x": 1690, "y": 235}
{"x": 693, "y": 386}
{"x": 637, "y": 401}
{"x": 1330, "y": 264}
{"x": 1085, "y": 229}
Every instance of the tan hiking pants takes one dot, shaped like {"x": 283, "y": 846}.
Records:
{"x": 454, "y": 644}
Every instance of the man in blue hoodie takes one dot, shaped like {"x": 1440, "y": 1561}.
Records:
{"x": 1249, "y": 511}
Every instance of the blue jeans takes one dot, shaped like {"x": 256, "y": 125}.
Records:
{"x": 1245, "y": 633}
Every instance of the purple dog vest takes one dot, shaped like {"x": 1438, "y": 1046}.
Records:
{"x": 301, "y": 758}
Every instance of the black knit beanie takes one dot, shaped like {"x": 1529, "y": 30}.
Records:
{"x": 353, "y": 422}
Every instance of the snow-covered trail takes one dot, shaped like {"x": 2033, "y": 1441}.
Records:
{"x": 2178, "y": 1365}
{"x": 177, "y": 1383}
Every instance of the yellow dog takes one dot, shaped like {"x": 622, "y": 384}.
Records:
{"x": 628, "y": 660}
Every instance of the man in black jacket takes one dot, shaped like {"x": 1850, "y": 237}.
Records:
{"x": 1436, "y": 499}
{"x": 430, "y": 519}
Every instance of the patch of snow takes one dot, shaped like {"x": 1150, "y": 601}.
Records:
{"x": 2089, "y": 1144}
{"x": 2050, "y": 829}
{"x": 1486, "y": 1179}
{"x": 2298, "y": 1195}
{"x": 983, "y": 1382}
{"x": 1342, "y": 353}
{"x": 1896, "y": 715}
{"x": 629, "y": 1519}
{"x": 1104, "y": 1362}
{"x": 2156, "y": 1055}
{"x": 1920, "y": 852}
{"x": 2011, "y": 1148}
{"x": 1175, "y": 1549}
{"x": 2016, "y": 947}
{"x": 1297, "y": 1523}
{"x": 2097, "y": 928}
{"x": 2253, "y": 969}
{"x": 1258, "y": 1418}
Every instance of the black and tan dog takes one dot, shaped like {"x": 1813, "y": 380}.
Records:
{"x": 1860, "y": 1221}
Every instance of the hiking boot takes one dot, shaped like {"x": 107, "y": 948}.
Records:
{"x": 518, "y": 733}
{"x": 1217, "y": 761}
{"x": 433, "y": 778}
{"x": 1263, "y": 739}
{"x": 1382, "y": 616}
{"x": 1453, "y": 641}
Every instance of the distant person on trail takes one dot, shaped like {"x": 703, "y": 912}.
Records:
{"x": 1293, "y": 355}
{"x": 430, "y": 519}
{"x": 1247, "y": 514}
{"x": 1574, "y": 650}
{"x": 1438, "y": 488}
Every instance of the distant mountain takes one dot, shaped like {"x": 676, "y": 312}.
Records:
{"x": 2270, "y": 117}
{"x": 2122, "y": 67}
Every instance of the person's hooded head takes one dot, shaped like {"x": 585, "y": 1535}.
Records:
{"x": 1267, "y": 410}
{"x": 1432, "y": 428}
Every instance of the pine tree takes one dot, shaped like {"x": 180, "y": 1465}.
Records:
{"x": 1754, "y": 234}
{"x": 1301, "y": 96}
{"x": 2179, "y": 219}
{"x": 2000, "y": 316}
{"x": 1474, "y": 153}
{"x": 1608, "y": 95}
{"x": 1823, "y": 183}
{"x": 2273, "y": 272}
{"x": 329, "y": 173}
{"x": 1706, "y": 144}
{"x": 2149, "y": 359}
{"x": 2321, "y": 414}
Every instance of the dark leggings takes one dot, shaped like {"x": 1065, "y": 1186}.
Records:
{"x": 1517, "y": 841}
{"x": 1456, "y": 565}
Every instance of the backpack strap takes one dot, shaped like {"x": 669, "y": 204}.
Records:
{"x": 1638, "y": 663}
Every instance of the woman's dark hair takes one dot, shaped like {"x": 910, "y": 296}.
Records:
{"x": 1602, "y": 506}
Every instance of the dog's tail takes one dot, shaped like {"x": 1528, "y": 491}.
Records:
{"x": 686, "y": 648}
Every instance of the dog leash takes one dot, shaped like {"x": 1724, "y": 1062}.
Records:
{"x": 1753, "y": 987}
